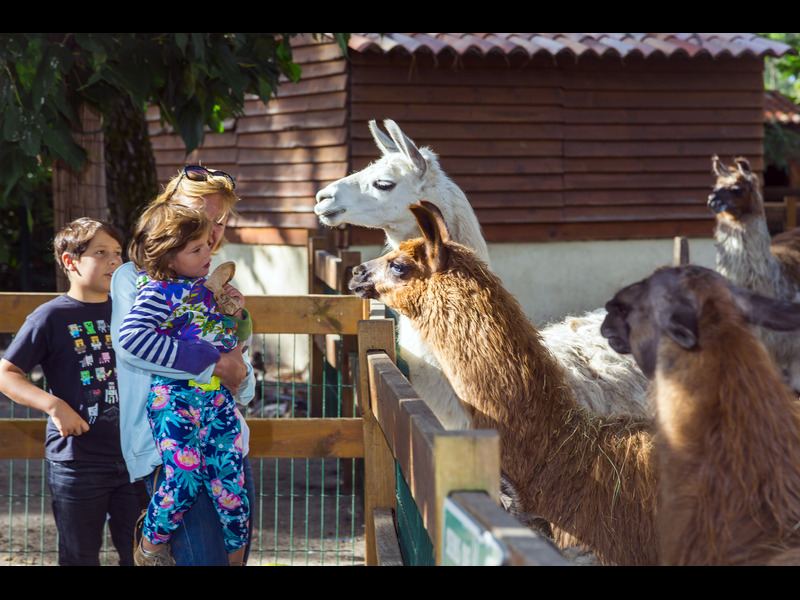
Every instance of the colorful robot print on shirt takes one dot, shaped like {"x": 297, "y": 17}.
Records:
{"x": 98, "y": 374}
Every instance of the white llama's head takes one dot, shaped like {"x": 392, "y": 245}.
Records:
{"x": 379, "y": 195}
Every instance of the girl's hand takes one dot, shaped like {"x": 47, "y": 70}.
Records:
{"x": 232, "y": 292}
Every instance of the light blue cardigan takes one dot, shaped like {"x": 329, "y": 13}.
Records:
{"x": 134, "y": 377}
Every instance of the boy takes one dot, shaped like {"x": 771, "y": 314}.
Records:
{"x": 70, "y": 338}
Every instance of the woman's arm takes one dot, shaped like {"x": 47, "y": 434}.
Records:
{"x": 229, "y": 367}
{"x": 139, "y": 334}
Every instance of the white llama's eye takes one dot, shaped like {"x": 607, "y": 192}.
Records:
{"x": 384, "y": 184}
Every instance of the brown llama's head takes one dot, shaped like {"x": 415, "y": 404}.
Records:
{"x": 396, "y": 276}
{"x": 737, "y": 192}
{"x": 671, "y": 304}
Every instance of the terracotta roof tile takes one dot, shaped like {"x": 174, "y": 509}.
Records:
{"x": 571, "y": 44}
{"x": 780, "y": 108}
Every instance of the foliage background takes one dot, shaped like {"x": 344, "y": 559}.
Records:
{"x": 197, "y": 80}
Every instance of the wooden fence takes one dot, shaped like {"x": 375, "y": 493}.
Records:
{"x": 453, "y": 476}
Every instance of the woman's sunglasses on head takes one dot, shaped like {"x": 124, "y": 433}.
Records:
{"x": 198, "y": 173}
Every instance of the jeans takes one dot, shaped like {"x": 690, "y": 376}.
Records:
{"x": 198, "y": 540}
{"x": 84, "y": 496}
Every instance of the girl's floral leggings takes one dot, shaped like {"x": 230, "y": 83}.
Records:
{"x": 199, "y": 437}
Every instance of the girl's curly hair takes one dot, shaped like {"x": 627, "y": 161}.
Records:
{"x": 162, "y": 231}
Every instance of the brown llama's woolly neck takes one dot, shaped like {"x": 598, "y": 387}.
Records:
{"x": 590, "y": 477}
{"x": 730, "y": 482}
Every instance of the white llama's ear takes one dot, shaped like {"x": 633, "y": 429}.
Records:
{"x": 383, "y": 141}
{"x": 407, "y": 147}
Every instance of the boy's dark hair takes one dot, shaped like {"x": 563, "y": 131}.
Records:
{"x": 75, "y": 236}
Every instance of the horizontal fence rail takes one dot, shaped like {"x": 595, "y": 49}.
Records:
{"x": 270, "y": 437}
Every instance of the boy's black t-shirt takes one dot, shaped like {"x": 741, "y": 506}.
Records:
{"x": 71, "y": 340}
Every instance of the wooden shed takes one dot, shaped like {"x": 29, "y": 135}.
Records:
{"x": 554, "y": 137}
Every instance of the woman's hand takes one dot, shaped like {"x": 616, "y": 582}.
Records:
{"x": 230, "y": 368}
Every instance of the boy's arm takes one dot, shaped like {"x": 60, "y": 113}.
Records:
{"x": 15, "y": 384}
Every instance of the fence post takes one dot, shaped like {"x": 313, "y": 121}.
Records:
{"x": 379, "y": 466}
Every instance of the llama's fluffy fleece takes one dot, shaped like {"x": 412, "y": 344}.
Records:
{"x": 379, "y": 195}
{"x": 591, "y": 477}
{"x": 727, "y": 429}
{"x": 597, "y": 376}
{"x": 749, "y": 258}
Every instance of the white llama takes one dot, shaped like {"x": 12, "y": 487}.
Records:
{"x": 379, "y": 197}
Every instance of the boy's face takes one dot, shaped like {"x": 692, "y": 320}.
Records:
{"x": 90, "y": 275}
{"x": 194, "y": 259}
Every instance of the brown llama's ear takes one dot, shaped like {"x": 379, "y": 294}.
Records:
{"x": 718, "y": 167}
{"x": 743, "y": 165}
{"x": 434, "y": 232}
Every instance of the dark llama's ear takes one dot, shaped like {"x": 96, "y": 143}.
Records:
{"x": 434, "y": 232}
{"x": 778, "y": 315}
{"x": 677, "y": 318}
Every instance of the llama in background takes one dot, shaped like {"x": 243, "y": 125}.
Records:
{"x": 747, "y": 256}
{"x": 590, "y": 477}
{"x": 380, "y": 195}
{"x": 727, "y": 428}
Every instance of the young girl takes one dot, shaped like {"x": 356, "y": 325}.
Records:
{"x": 196, "y": 427}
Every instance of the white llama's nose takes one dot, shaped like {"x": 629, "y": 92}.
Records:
{"x": 325, "y": 194}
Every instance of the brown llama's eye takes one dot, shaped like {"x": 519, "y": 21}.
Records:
{"x": 398, "y": 269}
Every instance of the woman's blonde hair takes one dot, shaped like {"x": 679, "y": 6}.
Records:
{"x": 190, "y": 192}
{"x": 161, "y": 232}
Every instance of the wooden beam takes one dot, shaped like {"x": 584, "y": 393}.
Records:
{"x": 316, "y": 313}
{"x": 312, "y": 314}
{"x": 379, "y": 465}
{"x": 435, "y": 462}
{"x": 269, "y": 438}
{"x": 306, "y": 438}
{"x": 14, "y": 307}
{"x": 388, "y": 546}
{"x": 524, "y": 546}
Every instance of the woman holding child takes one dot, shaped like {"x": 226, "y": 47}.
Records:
{"x": 199, "y": 538}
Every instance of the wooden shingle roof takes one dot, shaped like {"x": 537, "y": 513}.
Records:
{"x": 531, "y": 45}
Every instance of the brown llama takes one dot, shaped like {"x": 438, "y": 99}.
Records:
{"x": 747, "y": 256}
{"x": 727, "y": 427}
{"x": 589, "y": 476}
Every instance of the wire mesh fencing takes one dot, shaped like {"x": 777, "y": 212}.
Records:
{"x": 308, "y": 511}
